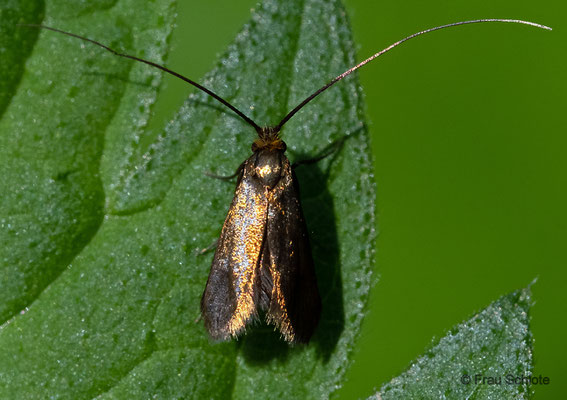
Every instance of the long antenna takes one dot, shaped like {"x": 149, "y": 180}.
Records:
{"x": 308, "y": 99}
{"x": 390, "y": 47}
{"x": 153, "y": 64}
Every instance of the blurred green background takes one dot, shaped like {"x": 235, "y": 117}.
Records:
{"x": 469, "y": 138}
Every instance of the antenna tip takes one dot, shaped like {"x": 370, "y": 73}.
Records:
{"x": 531, "y": 23}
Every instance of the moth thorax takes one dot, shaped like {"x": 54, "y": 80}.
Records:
{"x": 268, "y": 167}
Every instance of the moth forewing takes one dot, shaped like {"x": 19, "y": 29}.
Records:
{"x": 229, "y": 300}
{"x": 295, "y": 305}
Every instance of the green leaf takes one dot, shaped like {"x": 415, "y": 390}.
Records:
{"x": 15, "y": 51}
{"x": 53, "y": 135}
{"x": 103, "y": 219}
{"x": 493, "y": 345}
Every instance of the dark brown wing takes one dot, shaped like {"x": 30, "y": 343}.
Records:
{"x": 231, "y": 295}
{"x": 295, "y": 305}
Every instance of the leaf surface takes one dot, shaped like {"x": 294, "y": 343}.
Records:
{"x": 482, "y": 358}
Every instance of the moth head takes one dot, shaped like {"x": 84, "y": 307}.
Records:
{"x": 268, "y": 139}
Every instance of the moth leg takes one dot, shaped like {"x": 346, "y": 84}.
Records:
{"x": 238, "y": 173}
{"x": 210, "y": 247}
{"x": 327, "y": 151}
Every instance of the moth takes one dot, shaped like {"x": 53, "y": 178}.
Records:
{"x": 262, "y": 266}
